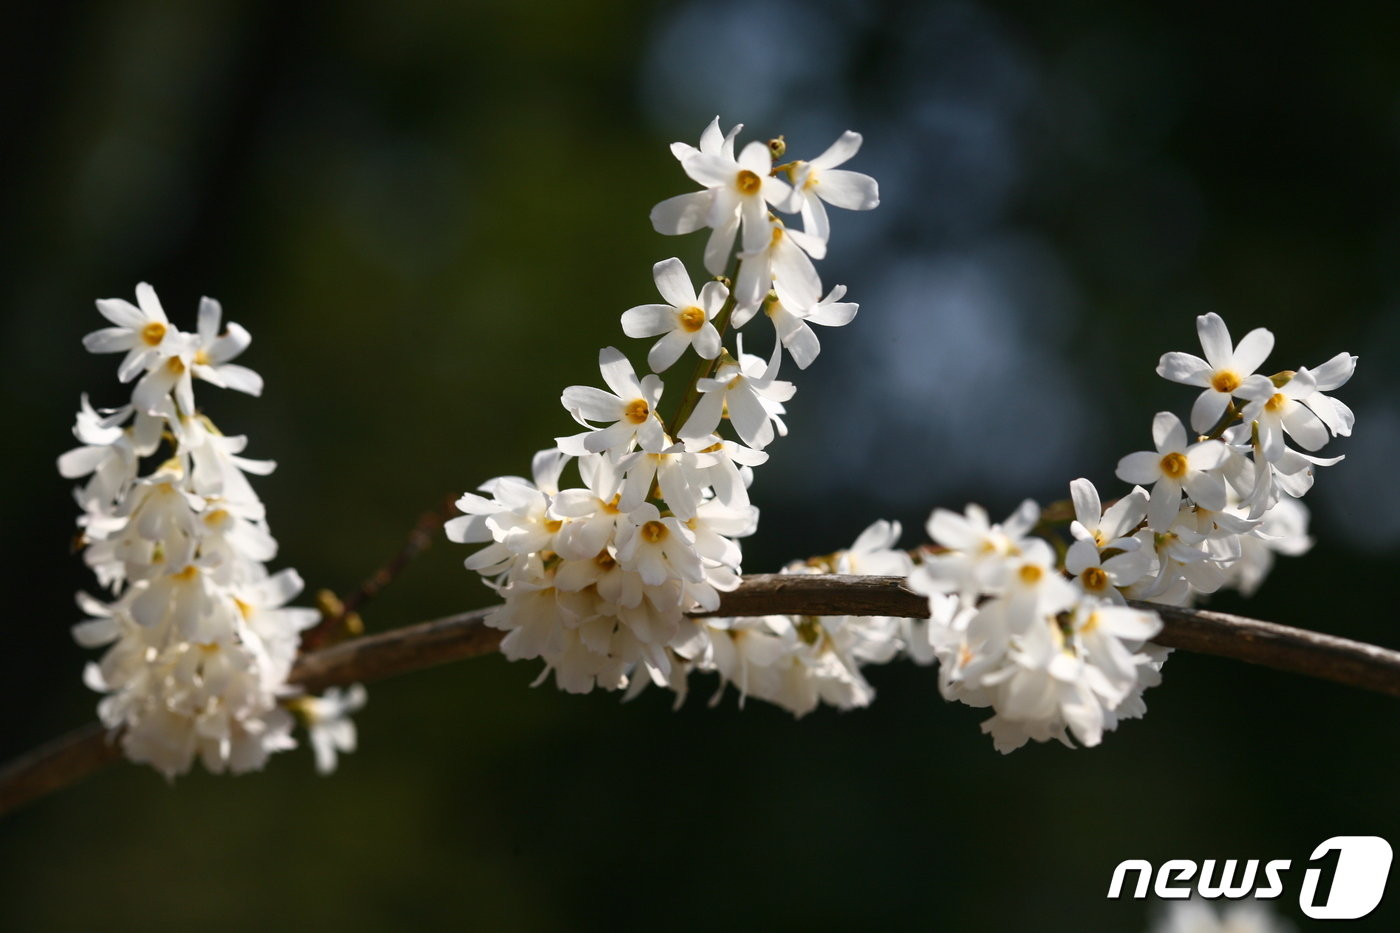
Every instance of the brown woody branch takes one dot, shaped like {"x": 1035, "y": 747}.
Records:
{"x": 71, "y": 757}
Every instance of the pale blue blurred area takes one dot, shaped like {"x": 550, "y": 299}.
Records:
{"x": 1364, "y": 511}
{"x": 956, "y": 378}
{"x": 954, "y": 374}
{"x": 968, "y": 369}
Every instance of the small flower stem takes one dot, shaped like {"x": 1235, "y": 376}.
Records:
{"x": 340, "y": 617}
{"x": 1231, "y": 415}
{"x": 705, "y": 368}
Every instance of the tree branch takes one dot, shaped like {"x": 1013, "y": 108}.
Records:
{"x": 71, "y": 757}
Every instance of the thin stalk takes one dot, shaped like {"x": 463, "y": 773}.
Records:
{"x": 705, "y": 368}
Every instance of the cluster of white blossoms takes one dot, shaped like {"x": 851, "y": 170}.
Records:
{"x": 798, "y": 661}
{"x": 605, "y": 579}
{"x": 599, "y": 577}
{"x": 200, "y": 636}
{"x": 1042, "y": 634}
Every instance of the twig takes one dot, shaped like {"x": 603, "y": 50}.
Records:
{"x": 55, "y": 765}
{"x": 398, "y": 651}
{"x": 339, "y": 612}
{"x": 71, "y": 757}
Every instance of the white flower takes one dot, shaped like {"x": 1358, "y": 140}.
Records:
{"x": 1183, "y": 556}
{"x": 214, "y": 349}
{"x": 143, "y": 333}
{"x": 750, "y": 392}
{"x": 1097, "y": 530}
{"x": 820, "y": 180}
{"x": 1225, "y": 370}
{"x": 1175, "y": 466}
{"x": 1102, "y": 578}
{"x": 516, "y": 518}
{"x": 659, "y": 549}
{"x": 1104, "y": 637}
{"x": 780, "y": 260}
{"x": 328, "y": 723}
{"x": 751, "y": 654}
{"x": 1033, "y": 587}
{"x": 591, "y": 516}
{"x": 686, "y": 213}
{"x": 726, "y": 467}
{"x": 1276, "y": 410}
{"x": 169, "y": 377}
{"x": 672, "y": 469}
{"x": 975, "y": 559}
{"x": 1107, "y": 528}
{"x": 715, "y": 525}
{"x": 741, "y": 191}
{"x": 876, "y": 552}
{"x": 793, "y": 323}
{"x": 110, "y": 452}
{"x": 685, "y": 322}
{"x": 1331, "y": 375}
{"x": 630, "y": 409}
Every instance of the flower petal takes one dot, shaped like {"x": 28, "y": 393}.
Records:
{"x": 1215, "y": 340}
{"x": 648, "y": 320}
{"x": 1251, "y": 352}
{"x": 673, "y": 282}
{"x": 850, "y": 190}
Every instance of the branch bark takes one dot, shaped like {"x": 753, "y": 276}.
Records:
{"x": 71, "y": 757}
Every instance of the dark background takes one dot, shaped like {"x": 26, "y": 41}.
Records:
{"x": 430, "y": 216}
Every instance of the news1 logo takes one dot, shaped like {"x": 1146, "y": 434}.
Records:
{"x": 1346, "y": 882}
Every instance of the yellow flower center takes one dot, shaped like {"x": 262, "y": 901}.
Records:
{"x": 1030, "y": 574}
{"x": 216, "y": 518}
{"x": 153, "y": 333}
{"x": 553, "y": 525}
{"x": 1174, "y": 465}
{"x": 747, "y": 182}
{"x": 176, "y": 365}
{"x": 605, "y": 561}
{"x": 1225, "y": 380}
{"x": 1094, "y": 579}
{"x": 189, "y": 573}
{"x": 245, "y": 610}
{"x": 1276, "y": 401}
{"x": 637, "y": 411}
{"x": 655, "y": 531}
{"x": 201, "y": 357}
{"x": 692, "y": 319}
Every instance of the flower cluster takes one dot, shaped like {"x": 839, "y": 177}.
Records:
{"x": 1045, "y": 637}
{"x": 798, "y": 661}
{"x": 200, "y": 636}
{"x": 599, "y": 577}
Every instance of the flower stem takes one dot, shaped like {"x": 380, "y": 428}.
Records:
{"x": 1231, "y": 415}
{"x": 704, "y": 368}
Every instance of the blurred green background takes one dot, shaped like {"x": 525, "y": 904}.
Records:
{"x": 430, "y": 216}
